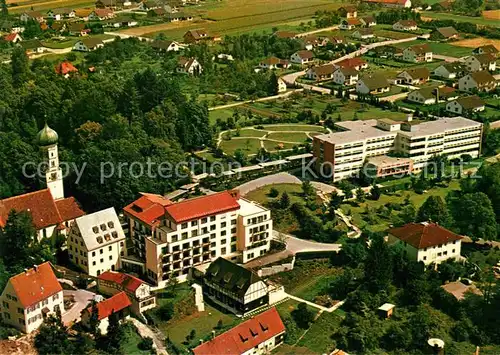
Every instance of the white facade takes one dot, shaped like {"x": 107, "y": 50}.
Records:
{"x": 297, "y": 58}
{"x": 468, "y": 83}
{"x": 362, "y": 88}
{"x": 416, "y": 96}
{"x": 96, "y": 242}
{"x": 434, "y": 254}
{"x": 344, "y": 79}
{"x": 54, "y": 175}
{"x": 473, "y": 64}
{"x": 190, "y": 67}
{"x": 400, "y": 27}
{"x": 281, "y": 85}
{"x": 456, "y": 108}
{"x": 443, "y": 72}
{"x": 409, "y": 55}
{"x": 82, "y": 47}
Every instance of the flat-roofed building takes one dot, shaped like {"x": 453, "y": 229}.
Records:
{"x": 170, "y": 238}
{"x": 383, "y": 165}
{"x": 343, "y": 154}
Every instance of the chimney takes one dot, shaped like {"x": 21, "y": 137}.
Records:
{"x": 213, "y": 334}
{"x": 35, "y": 267}
{"x": 25, "y": 271}
{"x": 201, "y": 341}
{"x": 235, "y": 193}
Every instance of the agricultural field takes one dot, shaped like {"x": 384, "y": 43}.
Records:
{"x": 486, "y": 21}
{"x": 449, "y": 49}
{"x": 20, "y": 6}
{"x": 476, "y": 42}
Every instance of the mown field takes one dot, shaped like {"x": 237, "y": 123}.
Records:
{"x": 440, "y": 48}
{"x": 489, "y": 21}
{"x": 46, "y": 5}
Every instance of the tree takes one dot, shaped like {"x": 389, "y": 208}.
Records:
{"x": 434, "y": 209}
{"x": 111, "y": 343}
{"x": 474, "y": 216}
{"x": 375, "y": 192}
{"x": 94, "y": 319}
{"x": 4, "y": 10}
{"x": 240, "y": 156}
{"x": 377, "y": 265}
{"x": 307, "y": 190}
{"x": 19, "y": 65}
{"x": 284, "y": 200}
{"x": 334, "y": 203}
{"x": 274, "y": 192}
{"x": 53, "y": 337}
{"x": 360, "y": 195}
{"x": 219, "y": 324}
{"x": 303, "y": 316}
{"x": 273, "y": 85}
{"x": 166, "y": 311}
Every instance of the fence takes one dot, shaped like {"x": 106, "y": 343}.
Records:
{"x": 275, "y": 269}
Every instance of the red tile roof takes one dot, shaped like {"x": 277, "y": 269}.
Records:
{"x": 10, "y": 37}
{"x": 203, "y": 206}
{"x": 128, "y": 282}
{"x": 35, "y": 285}
{"x": 149, "y": 208}
{"x": 112, "y": 305}
{"x": 40, "y": 204}
{"x": 69, "y": 209}
{"x": 64, "y": 68}
{"x": 351, "y": 62}
{"x": 353, "y": 21}
{"x": 245, "y": 336}
{"x": 424, "y": 235}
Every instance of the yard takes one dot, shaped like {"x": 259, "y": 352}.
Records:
{"x": 132, "y": 339}
{"x": 360, "y": 218}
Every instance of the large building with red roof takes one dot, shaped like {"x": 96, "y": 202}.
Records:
{"x": 50, "y": 210}
{"x": 31, "y": 296}
{"x": 258, "y": 335}
{"x": 118, "y": 304}
{"x": 169, "y": 238}
{"x": 427, "y": 242}
{"x": 138, "y": 291}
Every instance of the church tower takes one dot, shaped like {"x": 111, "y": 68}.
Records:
{"x": 47, "y": 139}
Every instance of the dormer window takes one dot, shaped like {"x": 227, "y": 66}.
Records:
{"x": 107, "y": 237}
{"x": 103, "y": 227}
{"x": 115, "y": 234}
{"x": 227, "y": 277}
{"x": 111, "y": 224}
{"x": 95, "y": 229}
{"x": 263, "y": 327}
{"x": 243, "y": 338}
{"x": 100, "y": 240}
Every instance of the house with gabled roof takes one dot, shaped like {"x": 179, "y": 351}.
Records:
{"x": 445, "y": 33}
{"x": 345, "y": 76}
{"x": 59, "y": 14}
{"x": 350, "y": 23}
{"x": 30, "y": 297}
{"x": 486, "y": 49}
{"x": 424, "y": 96}
{"x": 196, "y": 35}
{"x": 260, "y": 334}
{"x": 356, "y": 63}
{"x": 33, "y": 46}
{"x": 372, "y": 84}
{"x": 138, "y": 291}
{"x": 466, "y": 105}
{"x": 480, "y": 81}
{"x": 65, "y": 69}
{"x": 12, "y": 38}
{"x": 78, "y": 29}
{"x": 88, "y": 44}
{"x": 478, "y": 62}
{"x": 368, "y": 21}
{"x": 427, "y": 242}
{"x": 302, "y": 57}
{"x": 189, "y": 66}
{"x": 101, "y": 14}
{"x": 363, "y": 33}
{"x": 418, "y": 53}
{"x": 96, "y": 242}
{"x": 165, "y": 46}
{"x": 405, "y": 25}
{"x": 391, "y": 3}
{"x": 348, "y": 11}
{"x": 415, "y": 76}
{"x": 31, "y": 15}
{"x": 321, "y": 72}
{"x": 274, "y": 63}
{"x": 234, "y": 287}
{"x": 450, "y": 70}
{"x": 119, "y": 305}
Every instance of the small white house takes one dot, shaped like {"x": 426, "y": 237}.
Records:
{"x": 480, "y": 80}
{"x": 466, "y": 105}
{"x": 423, "y": 96}
{"x": 88, "y": 45}
{"x": 302, "y": 57}
{"x": 405, "y": 25}
{"x": 189, "y": 66}
{"x": 372, "y": 84}
{"x": 166, "y": 46}
{"x": 363, "y": 33}
{"x": 450, "y": 70}
{"x": 118, "y": 304}
{"x": 415, "y": 76}
{"x": 320, "y": 72}
{"x": 281, "y": 85}
{"x": 427, "y": 242}
{"x": 345, "y": 76}
{"x": 480, "y": 62}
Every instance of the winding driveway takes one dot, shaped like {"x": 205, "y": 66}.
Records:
{"x": 280, "y": 178}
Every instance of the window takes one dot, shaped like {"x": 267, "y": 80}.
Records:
{"x": 212, "y": 245}
{"x": 111, "y": 257}
{"x": 102, "y": 260}
{"x": 223, "y": 241}
{"x": 20, "y": 311}
{"x": 194, "y": 223}
{"x": 45, "y": 302}
{"x": 93, "y": 263}
{"x": 223, "y": 224}
{"x": 204, "y": 220}
{"x": 93, "y": 253}
{"x": 425, "y": 258}
{"x": 101, "y": 251}
{"x": 212, "y": 227}
{"x": 184, "y": 225}
{"x": 5, "y": 304}
{"x": 212, "y": 236}
{"x": 223, "y": 251}
{"x": 212, "y": 218}
{"x": 110, "y": 248}
{"x": 223, "y": 233}
{"x": 233, "y": 230}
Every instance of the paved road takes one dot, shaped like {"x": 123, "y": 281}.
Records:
{"x": 267, "y": 98}
{"x": 495, "y": 125}
{"x": 394, "y": 97}
{"x": 308, "y": 33}
{"x": 82, "y": 299}
{"x": 297, "y": 245}
{"x": 321, "y": 308}
{"x": 280, "y": 178}
{"x": 145, "y": 331}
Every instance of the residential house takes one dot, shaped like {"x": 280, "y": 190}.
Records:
{"x": 96, "y": 242}
{"x": 424, "y": 96}
{"x": 78, "y": 29}
{"x": 101, "y": 14}
{"x": 121, "y": 22}
{"x": 415, "y": 76}
{"x": 113, "y": 4}
{"x": 405, "y": 25}
{"x": 445, "y": 33}
{"x": 446, "y": 93}
{"x": 139, "y": 292}
{"x": 189, "y": 66}
{"x": 348, "y": 12}
{"x": 387, "y": 52}
{"x": 450, "y": 70}
{"x": 368, "y": 21}
{"x": 418, "y": 53}
{"x": 179, "y": 16}
{"x": 234, "y": 287}
{"x": 302, "y": 57}
{"x": 150, "y": 5}
{"x": 321, "y": 72}
{"x": 118, "y": 304}
{"x": 65, "y": 69}
{"x": 83, "y": 13}
{"x": 349, "y": 24}
{"x": 466, "y": 105}
{"x": 165, "y": 46}
{"x": 60, "y": 14}
{"x": 478, "y": 62}
{"x": 372, "y": 84}
{"x": 356, "y": 63}
{"x": 427, "y": 242}
{"x": 224, "y": 58}
{"x": 31, "y": 296}
{"x": 346, "y": 76}
{"x": 12, "y": 38}
{"x": 363, "y": 33}
{"x": 194, "y": 36}
{"x": 258, "y": 335}
{"x": 333, "y": 39}
{"x": 88, "y": 45}
{"x": 281, "y": 85}
{"x": 285, "y": 34}
{"x": 486, "y": 49}
{"x": 391, "y": 3}
{"x": 480, "y": 81}
{"x": 311, "y": 42}
{"x": 157, "y": 12}
{"x": 58, "y": 27}
{"x": 173, "y": 237}
{"x": 32, "y": 15}
{"x": 459, "y": 289}
{"x": 33, "y": 46}
{"x": 274, "y": 63}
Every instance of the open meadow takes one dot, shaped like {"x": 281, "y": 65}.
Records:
{"x": 487, "y": 20}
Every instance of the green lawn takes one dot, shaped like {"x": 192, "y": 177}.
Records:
{"x": 318, "y": 339}
{"x": 440, "y": 48}
{"x": 357, "y": 212}
{"x": 447, "y": 16}
{"x": 248, "y": 146}
{"x": 261, "y": 195}
{"x": 223, "y": 114}
{"x": 275, "y": 146}
{"x": 297, "y": 137}
{"x": 132, "y": 339}
{"x": 248, "y": 132}
{"x": 295, "y": 127}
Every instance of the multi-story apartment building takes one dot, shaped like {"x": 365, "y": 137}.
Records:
{"x": 343, "y": 154}
{"x": 170, "y": 238}
{"x": 427, "y": 242}
{"x": 29, "y": 297}
{"x": 96, "y": 242}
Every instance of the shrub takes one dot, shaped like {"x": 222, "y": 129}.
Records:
{"x": 145, "y": 344}
{"x": 166, "y": 311}
{"x": 274, "y": 192}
